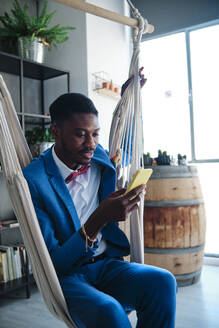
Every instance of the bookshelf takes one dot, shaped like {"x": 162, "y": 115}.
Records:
{"x": 13, "y": 285}
{"x": 15, "y": 271}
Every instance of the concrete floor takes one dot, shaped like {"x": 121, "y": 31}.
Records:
{"x": 197, "y": 306}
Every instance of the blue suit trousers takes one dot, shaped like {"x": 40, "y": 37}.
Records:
{"x": 100, "y": 294}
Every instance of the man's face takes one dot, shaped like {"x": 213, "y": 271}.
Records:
{"x": 76, "y": 139}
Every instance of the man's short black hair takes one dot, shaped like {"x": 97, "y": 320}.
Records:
{"x": 68, "y": 104}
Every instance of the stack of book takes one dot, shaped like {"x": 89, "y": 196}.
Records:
{"x": 12, "y": 262}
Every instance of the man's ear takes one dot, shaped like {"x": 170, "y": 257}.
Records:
{"x": 55, "y": 131}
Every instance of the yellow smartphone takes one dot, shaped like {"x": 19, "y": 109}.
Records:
{"x": 141, "y": 177}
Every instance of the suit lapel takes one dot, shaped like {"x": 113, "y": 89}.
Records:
{"x": 59, "y": 186}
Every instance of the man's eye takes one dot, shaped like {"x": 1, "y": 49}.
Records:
{"x": 80, "y": 135}
{"x": 95, "y": 135}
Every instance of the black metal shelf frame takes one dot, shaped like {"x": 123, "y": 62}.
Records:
{"x": 28, "y": 69}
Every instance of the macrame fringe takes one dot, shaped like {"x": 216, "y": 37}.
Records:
{"x": 126, "y": 139}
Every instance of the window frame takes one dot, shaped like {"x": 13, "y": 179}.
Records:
{"x": 187, "y": 32}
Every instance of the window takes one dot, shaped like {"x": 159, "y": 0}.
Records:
{"x": 181, "y": 108}
{"x": 204, "y": 49}
{"x": 165, "y": 96}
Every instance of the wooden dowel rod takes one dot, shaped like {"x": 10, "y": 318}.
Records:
{"x": 101, "y": 12}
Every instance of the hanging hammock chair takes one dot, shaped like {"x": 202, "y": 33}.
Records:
{"x": 126, "y": 137}
{"x": 126, "y": 141}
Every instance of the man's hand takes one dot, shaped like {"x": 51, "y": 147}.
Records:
{"x": 115, "y": 207}
{"x": 142, "y": 80}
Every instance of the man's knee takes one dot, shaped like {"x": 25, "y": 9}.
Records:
{"x": 112, "y": 314}
{"x": 167, "y": 282}
{"x": 159, "y": 302}
{"x": 158, "y": 285}
{"x": 109, "y": 308}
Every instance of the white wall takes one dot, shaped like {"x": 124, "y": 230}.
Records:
{"x": 96, "y": 45}
{"x": 72, "y": 54}
{"x": 108, "y": 49}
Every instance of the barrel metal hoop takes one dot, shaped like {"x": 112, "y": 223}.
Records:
{"x": 173, "y": 176}
{"x": 172, "y": 203}
{"x": 188, "y": 275}
{"x": 168, "y": 251}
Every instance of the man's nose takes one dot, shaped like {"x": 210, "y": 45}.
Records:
{"x": 90, "y": 142}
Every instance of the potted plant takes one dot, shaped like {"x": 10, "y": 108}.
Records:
{"x": 111, "y": 86}
{"x": 31, "y": 33}
{"x": 181, "y": 159}
{"x": 105, "y": 85}
{"x": 39, "y": 140}
{"x": 163, "y": 158}
{"x": 147, "y": 159}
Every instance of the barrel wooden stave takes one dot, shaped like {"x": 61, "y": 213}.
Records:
{"x": 173, "y": 189}
{"x": 176, "y": 227}
{"x": 179, "y": 263}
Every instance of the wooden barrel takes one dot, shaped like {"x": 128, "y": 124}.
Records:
{"x": 174, "y": 222}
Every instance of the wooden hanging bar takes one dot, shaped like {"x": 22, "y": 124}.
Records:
{"x": 105, "y": 13}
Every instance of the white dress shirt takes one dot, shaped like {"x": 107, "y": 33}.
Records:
{"x": 84, "y": 193}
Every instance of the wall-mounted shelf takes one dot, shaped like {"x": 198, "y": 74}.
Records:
{"x": 104, "y": 85}
{"x": 27, "y": 68}
{"x": 109, "y": 93}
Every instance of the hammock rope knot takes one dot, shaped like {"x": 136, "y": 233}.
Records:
{"x": 143, "y": 25}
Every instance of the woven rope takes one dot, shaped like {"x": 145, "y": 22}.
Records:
{"x": 14, "y": 154}
{"x": 126, "y": 140}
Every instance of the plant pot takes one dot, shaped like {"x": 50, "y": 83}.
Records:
{"x": 31, "y": 49}
{"x": 163, "y": 160}
{"x": 148, "y": 161}
{"x": 105, "y": 85}
{"x": 111, "y": 86}
{"x": 182, "y": 161}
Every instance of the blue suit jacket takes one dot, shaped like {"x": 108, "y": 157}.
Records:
{"x": 57, "y": 215}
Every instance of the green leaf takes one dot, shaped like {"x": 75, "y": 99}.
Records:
{"x": 19, "y": 23}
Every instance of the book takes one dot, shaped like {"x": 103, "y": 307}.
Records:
{"x": 17, "y": 261}
{"x": 4, "y": 277}
{"x": 22, "y": 252}
{"x": 9, "y": 262}
{"x": 13, "y": 264}
{"x": 1, "y": 268}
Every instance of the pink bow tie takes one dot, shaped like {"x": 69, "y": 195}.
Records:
{"x": 73, "y": 175}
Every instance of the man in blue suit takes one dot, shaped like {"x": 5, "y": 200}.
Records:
{"x": 73, "y": 191}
